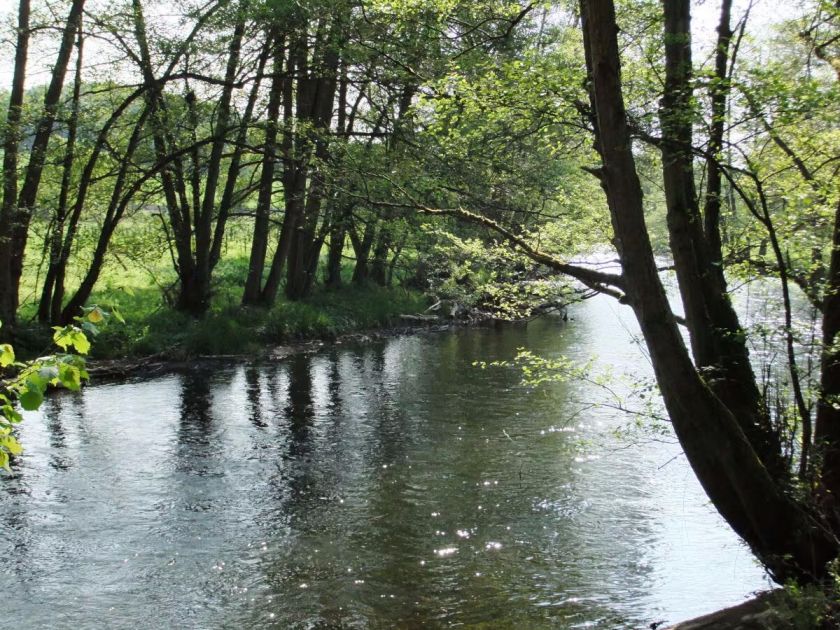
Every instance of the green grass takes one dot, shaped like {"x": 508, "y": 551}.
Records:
{"x": 139, "y": 281}
{"x": 152, "y": 328}
{"x": 231, "y": 329}
{"x": 139, "y": 271}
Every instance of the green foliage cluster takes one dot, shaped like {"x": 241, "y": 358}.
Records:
{"x": 28, "y": 381}
{"x": 488, "y": 277}
{"x": 811, "y": 606}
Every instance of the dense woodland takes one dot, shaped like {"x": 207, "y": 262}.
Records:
{"x": 237, "y": 154}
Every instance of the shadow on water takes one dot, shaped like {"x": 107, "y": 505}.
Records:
{"x": 196, "y": 431}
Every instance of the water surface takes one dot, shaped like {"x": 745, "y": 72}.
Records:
{"x": 380, "y": 484}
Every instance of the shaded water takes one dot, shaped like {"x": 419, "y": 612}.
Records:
{"x": 390, "y": 484}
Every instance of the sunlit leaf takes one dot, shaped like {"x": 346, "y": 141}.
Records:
{"x": 7, "y": 355}
{"x": 96, "y": 316}
{"x": 11, "y": 445}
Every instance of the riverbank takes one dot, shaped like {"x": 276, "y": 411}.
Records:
{"x": 148, "y": 366}
{"x": 146, "y": 336}
{"x": 153, "y": 332}
{"x": 401, "y": 324}
{"x": 781, "y": 609}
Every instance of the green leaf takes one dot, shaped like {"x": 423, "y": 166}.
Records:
{"x": 37, "y": 383}
{"x": 12, "y": 414}
{"x": 70, "y": 336}
{"x": 7, "y": 355}
{"x": 70, "y": 377}
{"x": 31, "y": 399}
{"x": 62, "y": 337}
{"x": 11, "y": 445}
{"x": 80, "y": 341}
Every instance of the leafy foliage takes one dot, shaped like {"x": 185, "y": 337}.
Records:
{"x": 28, "y": 381}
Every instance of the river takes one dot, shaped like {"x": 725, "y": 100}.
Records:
{"x": 389, "y": 483}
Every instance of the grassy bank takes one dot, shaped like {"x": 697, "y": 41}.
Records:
{"x": 153, "y": 328}
{"x": 237, "y": 330}
{"x": 139, "y": 282}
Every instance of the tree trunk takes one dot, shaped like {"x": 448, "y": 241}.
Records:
{"x": 194, "y": 296}
{"x": 337, "y": 236}
{"x": 113, "y": 215}
{"x": 318, "y": 88}
{"x": 226, "y": 203}
{"x": 717, "y": 339}
{"x": 15, "y": 229}
{"x": 85, "y": 182}
{"x": 361, "y": 248}
{"x": 11, "y": 142}
{"x": 719, "y": 93}
{"x": 379, "y": 265}
{"x": 259, "y": 245}
{"x": 172, "y": 173}
{"x": 827, "y": 426}
{"x": 46, "y": 312}
{"x": 783, "y": 536}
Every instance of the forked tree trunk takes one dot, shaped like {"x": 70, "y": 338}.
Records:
{"x": 361, "y": 249}
{"x": 194, "y": 296}
{"x": 717, "y": 340}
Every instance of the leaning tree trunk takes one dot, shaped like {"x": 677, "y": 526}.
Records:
{"x": 787, "y": 540}
{"x": 56, "y": 237}
{"x": 717, "y": 339}
{"x": 827, "y": 427}
{"x": 86, "y": 180}
{"x": 116, "y": 208}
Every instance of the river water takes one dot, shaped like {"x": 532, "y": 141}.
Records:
{"x": 373, "y": 485}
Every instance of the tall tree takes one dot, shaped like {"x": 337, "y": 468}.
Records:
{"x": 14, "y": 224}
{"x": 11, "y": 142}
{"x": 788, "y": 538}
{"x": 49, "y": 309}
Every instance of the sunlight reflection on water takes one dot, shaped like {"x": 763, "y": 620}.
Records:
{"x": 389, "y": 484}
